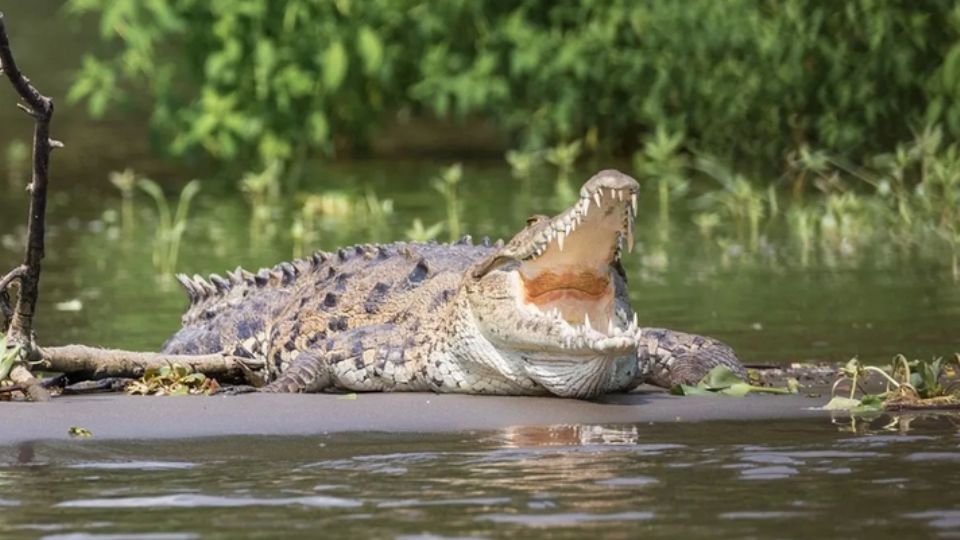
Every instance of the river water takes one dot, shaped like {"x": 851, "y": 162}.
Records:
{"x": 787, "y": 479}
{"x": 790, "y": 479}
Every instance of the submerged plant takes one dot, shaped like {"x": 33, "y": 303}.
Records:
{"x": 170, "y": 224}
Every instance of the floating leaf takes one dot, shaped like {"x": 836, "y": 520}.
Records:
{"x": 722, "y": 380}
{"x": 79, "y": 432}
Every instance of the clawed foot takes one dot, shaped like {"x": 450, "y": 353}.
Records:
{"x": 235, "y": 390}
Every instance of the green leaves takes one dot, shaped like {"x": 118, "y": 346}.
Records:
{"x": 371, "y": 49}
{"x": 172, "y": 380}
{"x": 8, "y": 356}
{"x": 870, "y": 403}
{"x": 333, "y": 62}
{"x": 722, "y": 381}
{"x": 737, "y": 77}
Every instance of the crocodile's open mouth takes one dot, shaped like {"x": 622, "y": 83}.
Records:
{"x": 568, "y": 272}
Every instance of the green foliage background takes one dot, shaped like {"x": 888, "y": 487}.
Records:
{"x": 284, "y": 79}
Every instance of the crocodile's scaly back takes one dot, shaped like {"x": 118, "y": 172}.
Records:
{"x": 297, "y": 305}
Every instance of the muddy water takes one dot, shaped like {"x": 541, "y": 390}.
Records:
{"x": 795, "y": 479}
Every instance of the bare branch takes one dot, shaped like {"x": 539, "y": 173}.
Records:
{"x": 20, "y": 331}
{"x": 14, "y": 274}
{"x": 94, "y": 363}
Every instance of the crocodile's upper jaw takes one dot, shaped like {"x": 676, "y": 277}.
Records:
{"x": 549, "y": 295}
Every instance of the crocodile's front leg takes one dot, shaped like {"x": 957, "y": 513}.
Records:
{"x": 670, "y": 358}
{"x": 365, "y": 359}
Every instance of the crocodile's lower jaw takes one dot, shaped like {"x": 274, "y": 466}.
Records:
{"x": 578, "y": 377}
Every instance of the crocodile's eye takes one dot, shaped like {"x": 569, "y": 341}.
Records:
{"x": 536, "y": 218}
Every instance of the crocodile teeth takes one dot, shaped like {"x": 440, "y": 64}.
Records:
{"x": 596, "y": 197}
{"x": 560, "y": 241}
{"x": 633, "y": 202}
{"x": 635, "y": 322}
{"x": 586, "y": 322}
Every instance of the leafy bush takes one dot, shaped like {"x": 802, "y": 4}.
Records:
{"x": 281, "y": 79}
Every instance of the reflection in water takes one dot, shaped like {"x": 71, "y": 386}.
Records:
{"x": 567, "y": 435}
{"x": 901, "y": 422}
{"x": 712, "y": 479}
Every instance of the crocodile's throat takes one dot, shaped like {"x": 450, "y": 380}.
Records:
{"x": 570, "y": 273}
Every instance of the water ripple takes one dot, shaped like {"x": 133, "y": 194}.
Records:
{"x": 122, "y": 536}
{"x": 775, "y": 472}
{"x": 133, "y": 465}
{"x": 208, "y": 501}
{"x": 572, "y": 518}
{"x": 933, "y": 456}
{"x": 469, "y": 501}
{"x": 628, "y": 481}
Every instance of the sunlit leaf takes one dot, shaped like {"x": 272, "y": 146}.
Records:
{"x": 334, "y": 65}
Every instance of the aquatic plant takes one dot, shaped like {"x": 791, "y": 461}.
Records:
{"x": 660, "y": 160}
{"x": 340, "y": 212}
{"x": 523, "y": 164}
{"x": 721, "y": 380}
{"x": 419, "y": 233}
{"x": 447, "y": 184}
{"x": 170, "y": 225}
{"x": 126, "y": 182}
{"x": 564, "y": 156}
{"x": 907, "y": 385}
{"x": 262, "y": 191}
{"x": 738, "y": 200}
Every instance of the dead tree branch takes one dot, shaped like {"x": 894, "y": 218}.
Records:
{"x": 40, "y": 108}
{"x": 6, "y": 311}
{"x": 94, "y": 363}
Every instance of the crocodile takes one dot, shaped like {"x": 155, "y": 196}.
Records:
{"x": 547, "y": 313}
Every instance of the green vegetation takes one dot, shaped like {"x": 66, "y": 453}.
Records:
{"x": 709, "y": 97}
{"x": 724, "y": 382}
{"x": 173, "y": 380}
{"x": 907, "y": 385}
{"x": 126, "y": 182}
{"x": 903, "y": 205}
{"x": 446, "y": 185}
{"x": 8, "y": 355}
{"x": 280, "y": 80}
{"x": 170, "y": 225}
